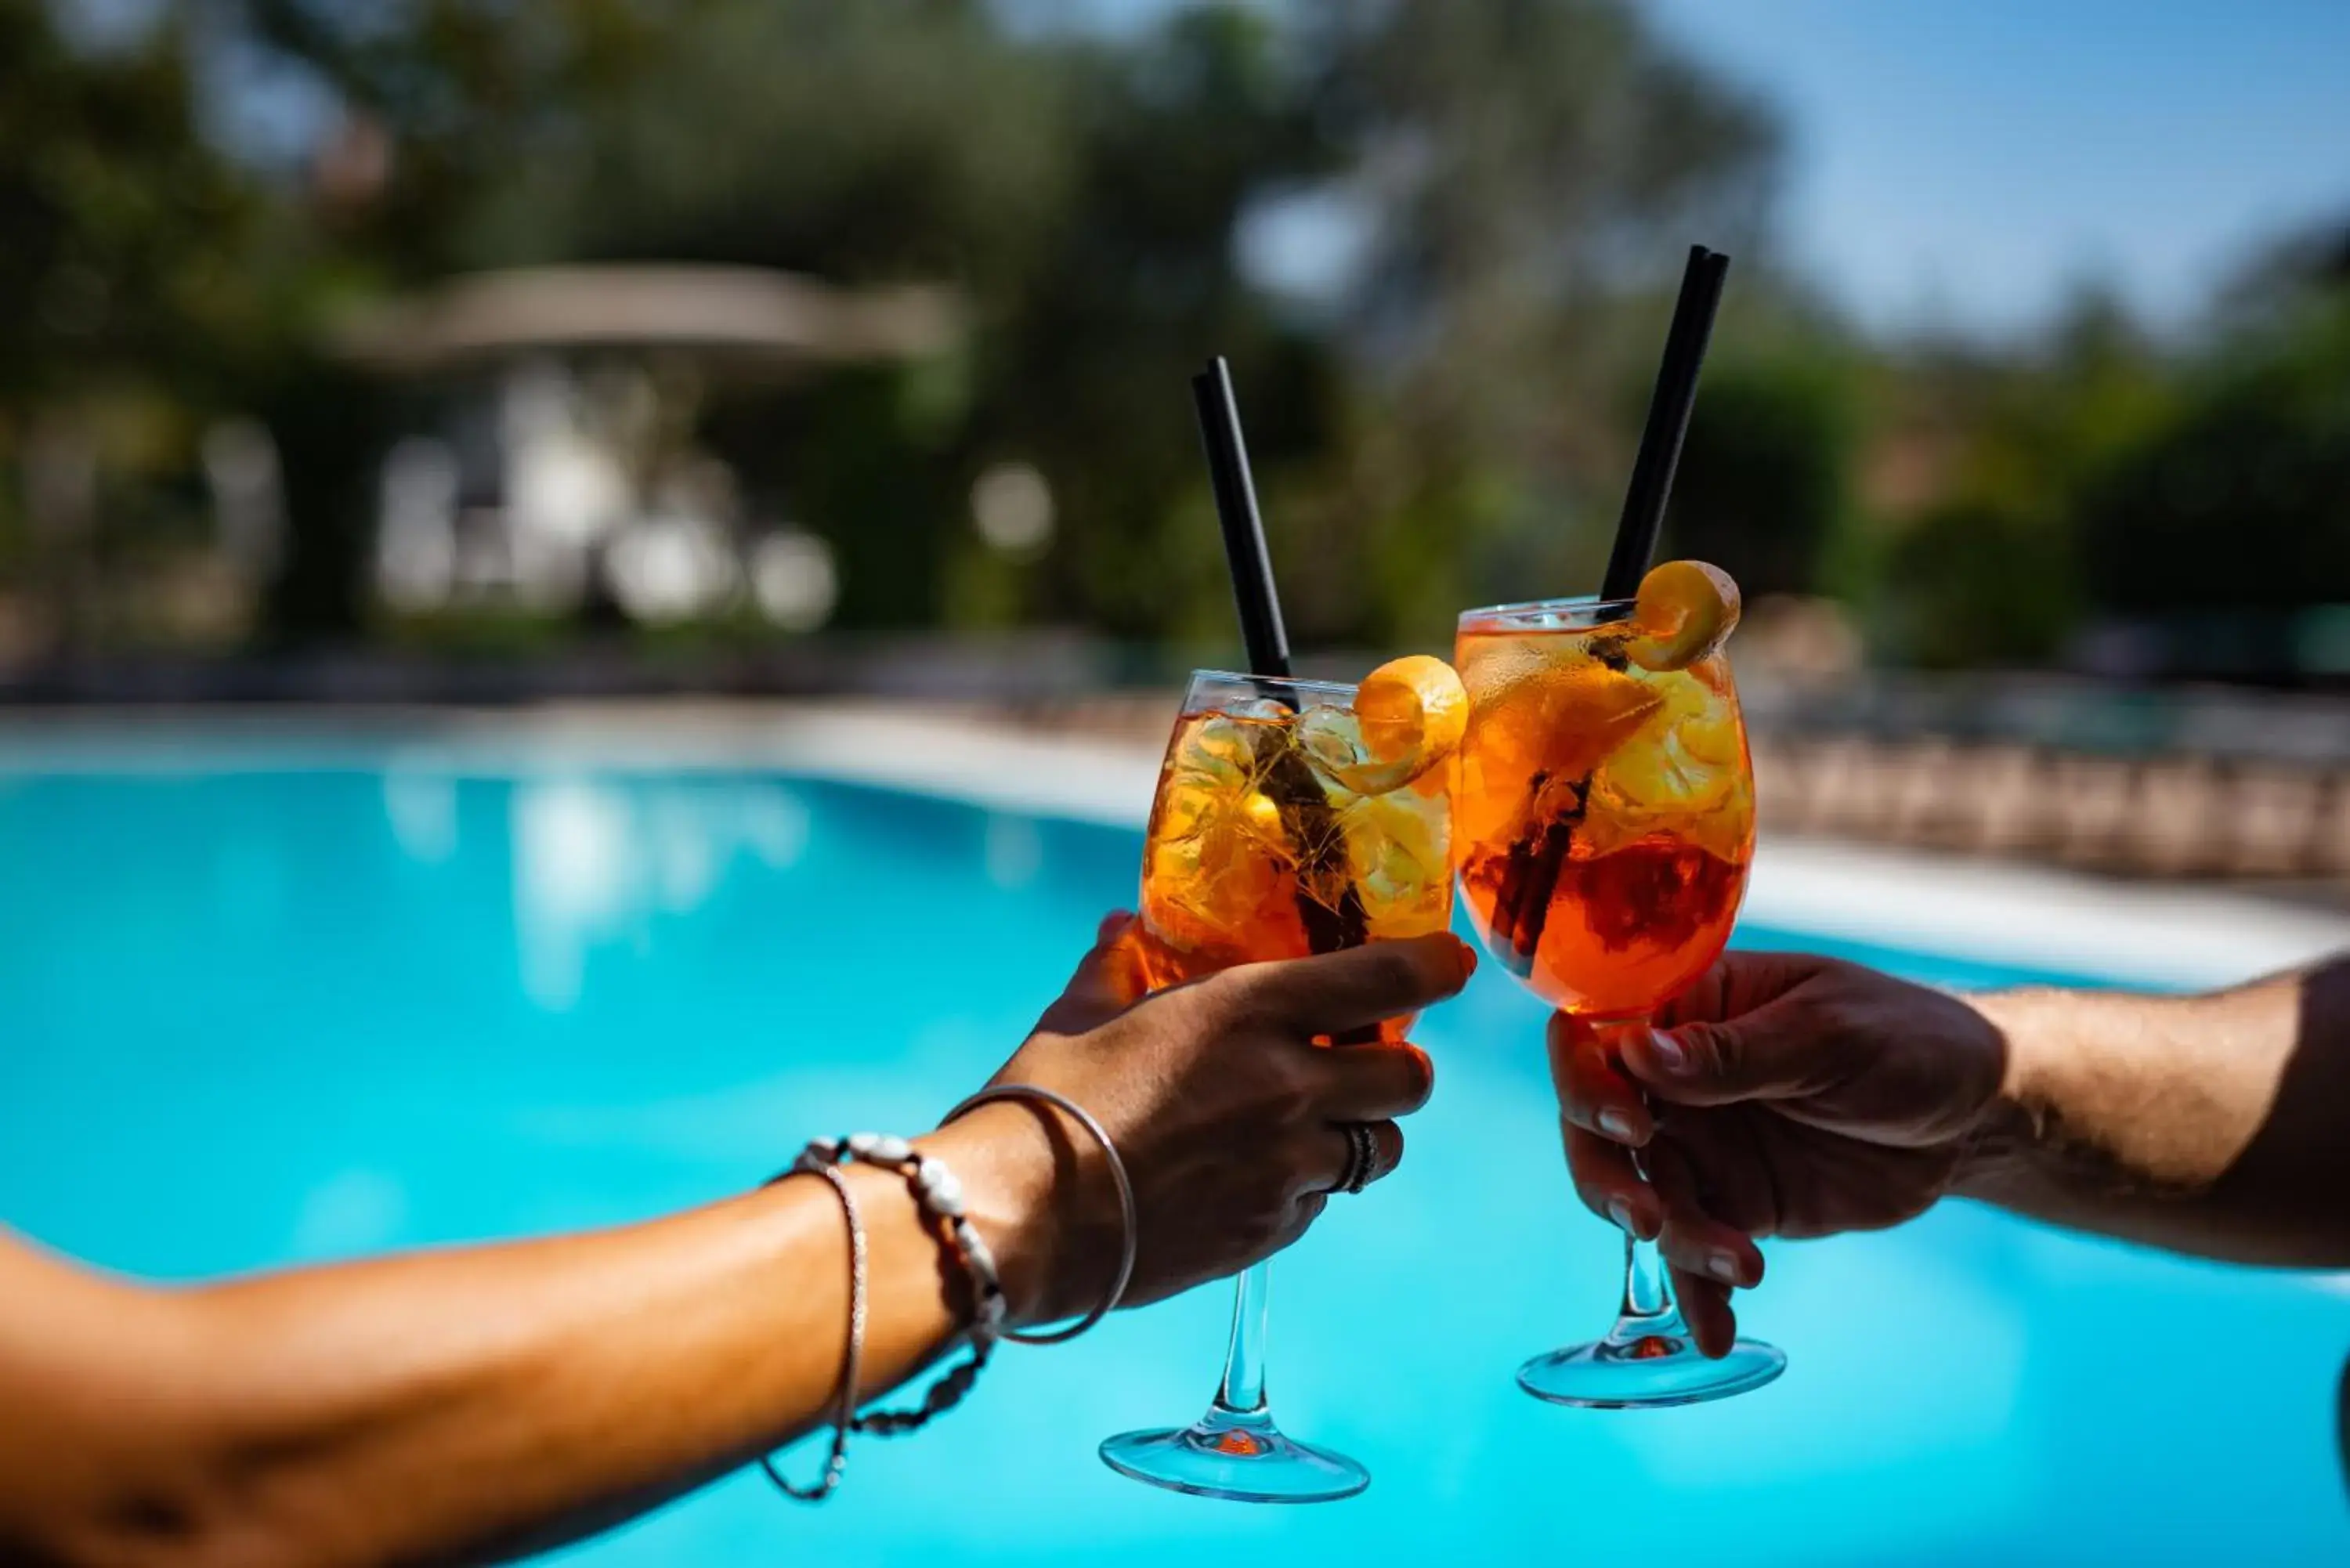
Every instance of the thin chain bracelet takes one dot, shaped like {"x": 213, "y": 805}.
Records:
{"x": 939, "y": 1195}
{"x": 844, "y": 1419}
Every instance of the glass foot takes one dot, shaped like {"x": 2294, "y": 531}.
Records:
{"x": 1647, "y": 1363}
{"x": 1242, "y": 1459}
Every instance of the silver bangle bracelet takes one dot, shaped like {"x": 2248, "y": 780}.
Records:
{"x": 1130, "y": 1225}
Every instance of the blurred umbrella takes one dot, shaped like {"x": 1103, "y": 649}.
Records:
{"x": 744, "y": 318}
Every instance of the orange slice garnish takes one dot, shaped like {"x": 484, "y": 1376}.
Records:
{"x": 1685, "y": 611}
{"x": 1408, "y": 718}
{"x": 1413, "y": 710}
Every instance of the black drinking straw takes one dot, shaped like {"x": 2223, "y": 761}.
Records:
{"x": 1669, "y": 417}
{"x": 1288, "y": 779}
{"x": 1252, "y": 567}
{"x": 1530, "y": 871}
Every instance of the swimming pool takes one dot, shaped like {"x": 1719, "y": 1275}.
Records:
{"x": 261, "y": 1012}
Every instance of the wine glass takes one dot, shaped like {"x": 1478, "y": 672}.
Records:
{"x": 1605, "y": 811}
{"x": 1274, "y": 834}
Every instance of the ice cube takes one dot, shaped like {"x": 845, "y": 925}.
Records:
{"x": 1713, "y": 736}
{"x": 1223, "y": 892}
{"x": 1213, "y": 750}
{"x": 1399, "y": 853}
{"x": 1183, "y": 807}
{"x": 1683, "y": 775}
{"x": 1401, "y": 903}
{"x": 1331, "y": 736}
{"x": 1660, "y": 775}
{"x": 1259, "y": 711}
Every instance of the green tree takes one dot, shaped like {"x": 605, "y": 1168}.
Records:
{"x": 123, "y": 224}
{"x": 1085, "y": 370}
{"x": 2241, "y": 500}
{"x": 1536, "y": 170}
{"x": 1991, "y": 571}
{"x": 1764, "y": 485}
{"x": 124, "y": 250}
{"x": 486, "y": 107}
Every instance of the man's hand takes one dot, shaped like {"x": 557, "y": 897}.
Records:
{"x": 1786, "y": 1095}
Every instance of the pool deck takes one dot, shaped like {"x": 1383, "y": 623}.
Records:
{"x": 2159, "y": 934}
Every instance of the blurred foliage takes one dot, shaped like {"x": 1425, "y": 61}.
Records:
{"x": 2240, "y": 499}
{"x": 1987, "y": 570}
{"x": 1494, "y": 199}
{"x": 120, "y": 235}
{"x": 1765, "y": 479}
{"x": 2191, "y": 490}
{"x": 1442, "y": 422}
{"x": 127, "y": 232}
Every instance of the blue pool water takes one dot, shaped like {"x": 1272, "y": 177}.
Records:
{"x": 258, "y": 1015}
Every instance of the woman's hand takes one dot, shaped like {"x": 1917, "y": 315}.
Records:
{"x": 1226, "y": 1113}
{"x": 1787, "y": 1096}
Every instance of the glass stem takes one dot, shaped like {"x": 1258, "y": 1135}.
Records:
{"x": 1242, "y": 1393}
{"x": 1645, "y": 1294}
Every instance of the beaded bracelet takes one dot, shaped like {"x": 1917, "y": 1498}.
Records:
{"x": 940, "y": 1197}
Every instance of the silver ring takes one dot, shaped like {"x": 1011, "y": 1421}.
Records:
{"x": 1362, "y": 1157}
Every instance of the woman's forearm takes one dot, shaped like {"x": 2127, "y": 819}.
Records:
{"x": 2217, "y": 1123}
{"x": 466, "y": 1403}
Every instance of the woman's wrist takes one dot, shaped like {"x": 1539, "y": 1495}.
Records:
{"x": 1031, "y": 1188}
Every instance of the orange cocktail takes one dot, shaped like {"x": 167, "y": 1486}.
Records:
{"x": 1279, "y": 830}
{"x": 1605, "y": 822}
{"x": 1292, "y": 818}
{"x": 1606, "y": 811}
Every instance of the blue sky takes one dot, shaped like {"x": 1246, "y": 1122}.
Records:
{"x": 1968, "y": 162}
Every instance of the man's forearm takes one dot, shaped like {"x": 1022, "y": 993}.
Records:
{"x": 2207, "y": 1124}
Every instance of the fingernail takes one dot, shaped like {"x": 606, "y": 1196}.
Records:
{"x": 1468, "y": 960}
{"x": 1621, "y": 1212}
{"x": 1722, "y": 1267}
{"x": 1616, "y": 1125}
{"x": 1111, "y": 922}
{"x": 1667, "y": 1052}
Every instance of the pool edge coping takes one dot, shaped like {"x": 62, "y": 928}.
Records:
{"x": 2043, "y": 919}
